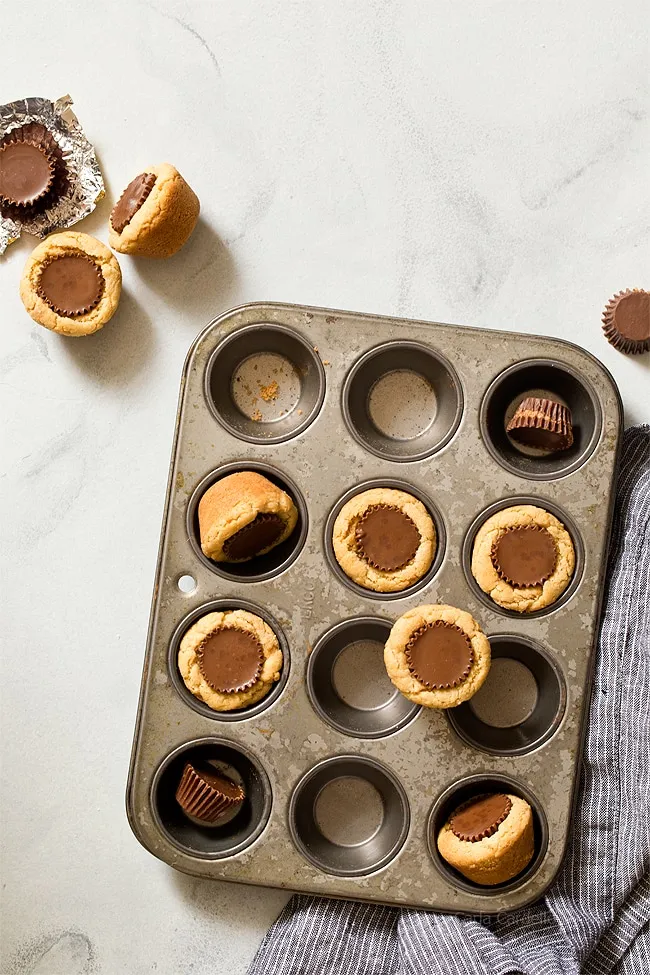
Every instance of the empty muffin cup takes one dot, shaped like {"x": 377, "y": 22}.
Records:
{"x": 234, "y": 833}
{"x": 260, "y": 567}
{"x": 347, "y": 681}
{"x": 349, "y": 816}
{"x": 265, "y": 383}
{"x": 543, "y": 379}
{"x": 459, "y": 793}
{"x": 402, "y": 401}
{"x": 521, "y": 703}
{"x": 222, "y": 606}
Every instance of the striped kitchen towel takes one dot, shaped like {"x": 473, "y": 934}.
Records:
{"x": 595, "y": 919}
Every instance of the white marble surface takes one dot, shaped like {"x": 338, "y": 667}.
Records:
{"x": 477, "y": 162}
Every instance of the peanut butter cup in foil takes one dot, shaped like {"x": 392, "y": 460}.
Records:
{"x": 480, "y": 817}
{"x": 544, "y": 423}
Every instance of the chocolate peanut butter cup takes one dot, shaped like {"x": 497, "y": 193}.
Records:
{"x": 131, "y": 200}
{"x": 626, "y": 321}
{"x": 254, "y": 538}
{"x": 71, "y": 284}
{"x": 33, "y": 174}
{"x": 480, "y": 817}
{"x": 206, "y": 795}
{"x": 439, "y": 655}
{"x": 543, "y": 423}
{"x": 26, "y": 172}
{"x": 230, "y": 659}
{"x": 386, "y": 537}
{"x": 525, "y": 555}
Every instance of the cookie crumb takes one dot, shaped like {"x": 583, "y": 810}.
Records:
{"x": 270, "y": 391}
{"x": 256, "y": 415}
{"x": 326, "y": 362}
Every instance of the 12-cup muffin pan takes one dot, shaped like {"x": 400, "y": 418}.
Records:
{"x": 347, "y": 781}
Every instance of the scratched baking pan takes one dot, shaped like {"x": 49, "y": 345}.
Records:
{"x": 348, "y": 782}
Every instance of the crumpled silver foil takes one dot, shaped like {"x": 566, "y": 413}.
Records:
{"x": 85, "y": 184}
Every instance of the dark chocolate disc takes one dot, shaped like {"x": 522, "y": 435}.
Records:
{"x": 480, "y": 817}
{"x": 386, "y": 537}
{"x": 71, "y": 284}
{"x": 131, "y": 200}
{"x": 525, "y": 555}
{"x": 26, "y": 172}
{"x": 230, "y": 659}
{"x": 254, "y": 538}
{"x": 439, "y": 655}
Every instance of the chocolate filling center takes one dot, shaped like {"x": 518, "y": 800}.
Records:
{"x": 386, "y": 537}
{"x": 439, "y": 655}
{"x": 25, "y": 172}
{"x": 131, "y": 200}
{"x": 525, "y": 556}
{"x": 71, "y": 285}
{"x": 230, "y": 659}
{"x": 480, "y": 817}
{"x": 252, "y": 539}
{"x": 632, "y": 316}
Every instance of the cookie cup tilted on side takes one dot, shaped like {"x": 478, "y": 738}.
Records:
{"x": 437, "y": 656}
{"x": 244, "y": 515}
{"x": 155, "y": 214}
{"x": 489, "y": 839}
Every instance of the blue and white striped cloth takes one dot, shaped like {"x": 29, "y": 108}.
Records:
{"x": 595, "y": 919}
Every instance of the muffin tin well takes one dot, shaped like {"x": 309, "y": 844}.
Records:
{"x": 348, "y": 781}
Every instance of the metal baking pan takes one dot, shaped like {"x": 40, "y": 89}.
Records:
{"x": 347, "y": 781}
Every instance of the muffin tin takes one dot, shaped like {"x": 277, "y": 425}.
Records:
{"x": 347, "y": 781}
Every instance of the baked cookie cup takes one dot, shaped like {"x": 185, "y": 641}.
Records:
{"x": 244, "y": 515}
{"x": 155, "y": 214}
{"x": 71, "y": 284}
{"x": 523, "y": 558}
{"x": 437, "y": 656}
{"x": 489, "y": 839}
{"x": 230, "y": 660}
{"x": 384, "y": 539}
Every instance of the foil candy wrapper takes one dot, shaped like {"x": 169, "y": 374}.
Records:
{"x": 85, "y": 183}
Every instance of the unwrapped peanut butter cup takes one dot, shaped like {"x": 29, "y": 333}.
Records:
{"x": 626, "y": 321}
{"x": 524, "y": 555}
{"x": 131, "y": 200}
{"x": 254, "y": 538}
{"x": 386, "y": 537}
{"x": 72, "y": 284}
{"x": 480, "y": 817}
{"x": 543, "y": 423}
{"x": 439, "y": 655}
{"x": 230, "y": 659}
{"x": 206, "y": 795}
